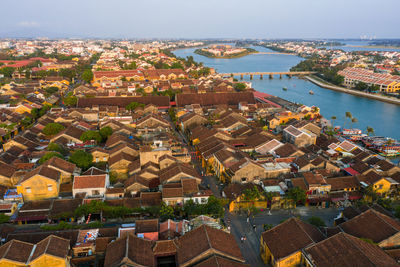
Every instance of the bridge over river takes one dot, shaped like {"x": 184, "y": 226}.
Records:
{"x": 270, "y": 74}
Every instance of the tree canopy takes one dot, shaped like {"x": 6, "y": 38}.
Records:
{"x": 53, "y": 128}
{"x": 91, "y": 135}
{"x": 297, "y": 194}
{"x": 49, "y": 155}
{"x": 87, "y": 75}
{"x": 81, "y": 159}
{"x": 133, "y": 105}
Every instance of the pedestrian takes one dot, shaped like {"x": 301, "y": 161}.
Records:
{"x": 254, "y": 227}
{"x": 241, "y": 239}
{"x": 248, "y": 219}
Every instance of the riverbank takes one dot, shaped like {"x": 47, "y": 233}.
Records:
{"x": 352, "y": 92}
{"x": 375, "y": 46}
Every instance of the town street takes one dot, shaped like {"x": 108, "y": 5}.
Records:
{"x": 241, "y": 227}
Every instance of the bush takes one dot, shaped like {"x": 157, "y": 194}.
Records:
{"x": 316, "y": 221}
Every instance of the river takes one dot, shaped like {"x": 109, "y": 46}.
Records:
{"x": 383, "y": 117}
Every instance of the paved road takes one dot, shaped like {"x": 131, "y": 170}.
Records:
{"x": 240, "y": 226}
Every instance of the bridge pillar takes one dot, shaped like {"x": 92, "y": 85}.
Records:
{"x": 280, "y": 76}
{"x": 251, "y": 76}
{"x": 241, "y": 76}
{"x": 261, "y": 76}
{"x": 271, "y": 76}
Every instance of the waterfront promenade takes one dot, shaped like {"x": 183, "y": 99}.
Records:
{"x": 354, "y": 92}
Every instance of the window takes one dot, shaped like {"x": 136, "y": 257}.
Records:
{"x": 28, "y": 190}
{"x": 49, "y": 187}
{"x": 95, "y": 192}
{"x": 244, "y": 179}
{"x": 97, "y": 159}
{"x": 105, "y": 159}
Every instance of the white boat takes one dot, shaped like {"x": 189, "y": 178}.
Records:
{"x": 311, "y": 92}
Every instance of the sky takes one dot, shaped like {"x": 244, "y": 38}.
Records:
{"x": 198, "y": 19}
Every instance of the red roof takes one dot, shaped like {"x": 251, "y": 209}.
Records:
{"x": 351, "y": 171}
{"x": 90, "y": 181}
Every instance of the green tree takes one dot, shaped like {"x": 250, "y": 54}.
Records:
{"x": 26, "y": 121}
{"x": 51, "y": 90}
{"x": 53, "y": 128}
{"x": 316, "y": 221}
{"x": 133, "y": 105}
{"x": 4, "y": 218}
{"x": 177, "y": 65}
{"x": 239, "y": 86}
{"x": 333, "y": 118}
{"x": 82, "y": 159}
{"x": 361, "y": 86}
{"x": 370, "y": 130}
{"x": 49, "y": 155}
{"x": 105, "y": 132}
{"x": 68, "y": 73}
{"x": 251, "y": 194}
{"x": 214, "y": 206}
{"x": 91, "y": 135}
{"x": 166, "y": 212}
{"x": 7, "y": 71}
{"x": 70, "y": 101}
{"x": 130, "y": 66}
{"x": 57, "y": 148}
{"x": 87, "y": 75}
{"x": 297, "y": 194}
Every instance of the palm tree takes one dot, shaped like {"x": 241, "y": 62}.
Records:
{"x": 370, "y": 130}
{"x": 333, "y": 118}
{"x": 353, "y": 120}
{"x": 348, "y": 116}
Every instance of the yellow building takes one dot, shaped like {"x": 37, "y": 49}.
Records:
{"x": 283, "y": 118}
{"x": 51, "y": 251}
{"x": 40, "y": 183}
{"x": 393, "y": 87}
{"x": 281, "y": 246}
{"x": 382, "y": 186}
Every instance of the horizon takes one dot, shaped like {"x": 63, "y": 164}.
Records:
{"x": 180, "y": 19}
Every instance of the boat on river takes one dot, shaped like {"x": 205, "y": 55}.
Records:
{"x": 284, "y": 88}
{"x": 311, "y": 92}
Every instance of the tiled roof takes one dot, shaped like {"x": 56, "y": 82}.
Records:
{"x": 52, "y": 245}
{"x": 211, "y": 99}
{"x": 16, "y": 251}
{"x": 206, "y": 238}
{"x": 43, "y": 171}
{"x": 122, "y": 102}
{"x": 372, "y": 225}
{"x": 345, "y": 250}
{"x": 290, "y": 236}
{"x": 90, "y": 181}
{"x": 218, "y": 261}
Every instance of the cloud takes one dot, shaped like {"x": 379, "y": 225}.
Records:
{"x": 28, "y": 24}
